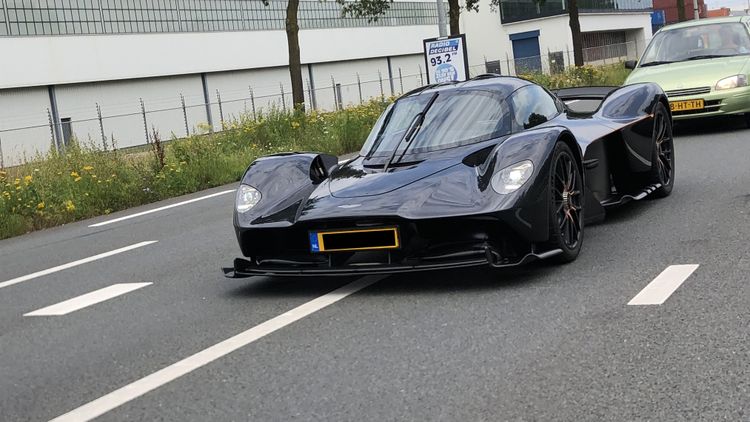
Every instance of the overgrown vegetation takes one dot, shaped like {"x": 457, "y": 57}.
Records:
{"x": 607, "y": 75}
{"x": 88, "y": 180}
{"x": 91, "y": 180}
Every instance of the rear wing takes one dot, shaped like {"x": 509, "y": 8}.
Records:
{"x": 584, "y": 93}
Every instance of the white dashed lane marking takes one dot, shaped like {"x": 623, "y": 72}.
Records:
{"x": 89, "y": 299}
{"x": 74, "y": 264}
{"x": 163, "y": 376}
{"x": 662, "y": 287}
{"x": 166, "y": 207}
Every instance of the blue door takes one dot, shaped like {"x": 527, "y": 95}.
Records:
{"x": 526, "y": 52}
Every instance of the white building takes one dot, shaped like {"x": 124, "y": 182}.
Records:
{"x": 527, "y": 34}
{"x": 90, "y": 68}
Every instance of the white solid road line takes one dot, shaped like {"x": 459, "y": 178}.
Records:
{"x": 84, "y": 301}
{"x": 74, "y": 264}
{"x": 663, "y": 285}
{"x": 151, "y": 382}
{"x": 166, "y": 207}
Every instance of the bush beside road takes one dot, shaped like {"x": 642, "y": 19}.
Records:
{"x": 91, "y": 180}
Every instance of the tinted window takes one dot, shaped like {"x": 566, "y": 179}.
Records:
{"x": 532, "y": 106}
{"x": 457, "y": 117}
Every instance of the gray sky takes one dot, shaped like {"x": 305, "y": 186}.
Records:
{"x": 732, "y": 4}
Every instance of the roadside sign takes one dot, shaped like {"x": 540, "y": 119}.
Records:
{"x": 445, "y": 59}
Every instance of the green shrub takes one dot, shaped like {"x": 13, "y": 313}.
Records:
{"x": 607, "y": 75}
{"x": 88, "y": 181}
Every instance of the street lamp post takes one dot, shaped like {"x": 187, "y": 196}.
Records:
{"x": 441, "y": 18}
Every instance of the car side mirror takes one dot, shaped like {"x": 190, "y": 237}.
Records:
{"x": 630, "y": 64}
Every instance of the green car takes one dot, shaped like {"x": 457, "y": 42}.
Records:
{"x": 702, "y": 66}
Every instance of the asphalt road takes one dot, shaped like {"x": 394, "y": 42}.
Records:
{"x": 536, "y": 343}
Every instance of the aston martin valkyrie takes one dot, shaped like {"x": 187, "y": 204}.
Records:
{"x": 495, "y": 171}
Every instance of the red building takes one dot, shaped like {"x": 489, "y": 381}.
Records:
{"x": 671, "y": 13}
{"x": 715, "y": 13}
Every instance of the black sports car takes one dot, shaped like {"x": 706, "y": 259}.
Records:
{"x": 494, "y": 171}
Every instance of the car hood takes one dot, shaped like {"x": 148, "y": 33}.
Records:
{"x": 361, "y": 177}
{"x": 690, "y": 74}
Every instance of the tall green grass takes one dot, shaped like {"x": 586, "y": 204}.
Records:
{"x": 88, "y": 180}
{"x": 607, "y": 75}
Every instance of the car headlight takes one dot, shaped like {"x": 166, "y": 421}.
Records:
{"x": 512, "y": 177}
{"x": 732, "y": 82}
{"x": 247, "y": 197}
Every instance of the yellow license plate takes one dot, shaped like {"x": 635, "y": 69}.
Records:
{"x": 686, "y": 105}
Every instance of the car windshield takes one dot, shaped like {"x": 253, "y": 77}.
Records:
{"x": 697, "y": 42}
{"x": 456, "y": 118}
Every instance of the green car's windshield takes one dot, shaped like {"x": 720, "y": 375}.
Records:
{"x": 697, "y": 42}
{"x": 455, "y": 118}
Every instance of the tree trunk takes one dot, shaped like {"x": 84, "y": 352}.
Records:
{"x": 680, "y": 10}
{"x": 295, "y": 67}
{"x": 454, "y": 11}
{"x": 575, "y": 31}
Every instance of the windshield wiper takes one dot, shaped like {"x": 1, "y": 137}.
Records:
{"x": 379, "y": 136}
{"x": 411, "y": 131}
{"x": 655, "y": 63}
{"x": 708, "y": 56}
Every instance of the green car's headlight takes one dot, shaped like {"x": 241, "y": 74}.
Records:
{"x": 732, "y": 82}
{"x": 247, "y": 197}
{"x": 512, "y": 177}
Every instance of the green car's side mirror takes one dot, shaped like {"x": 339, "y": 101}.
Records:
{"x": 630, "y": 64}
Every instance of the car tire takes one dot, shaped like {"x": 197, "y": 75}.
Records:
{"x": 662, "y": 167}
{"x": 565, "y": 204}
{"x": 747, "y": 120}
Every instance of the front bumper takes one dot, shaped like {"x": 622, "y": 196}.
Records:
{"x": 424, "y": 245}
{"x": 488, "y": 257}
{"x": 717, "y": 103}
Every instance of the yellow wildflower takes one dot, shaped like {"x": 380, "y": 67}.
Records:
{"x": 27, "y": 179}
{"x": 74, "y": 174}
{"x": 40, "y": 206}
{"x": 295, "y": 125}
{"x": 69, "y": 206}
{"x": 77, "y": 179}
{"x": 88, "y": 168}
{"x": 17, "y": 182}
{"x": 3, "y": 174}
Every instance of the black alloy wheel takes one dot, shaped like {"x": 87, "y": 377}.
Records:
{"x": 566, "y": 205}
{"x": 662, "y": 166}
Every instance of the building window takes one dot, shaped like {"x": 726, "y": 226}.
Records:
{"x": 604, "y": 45}
{"x": 74, "y": 17}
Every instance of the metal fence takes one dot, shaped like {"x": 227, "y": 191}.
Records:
{"x": 81, "y": 17}
{"x": 129, "y": 125}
